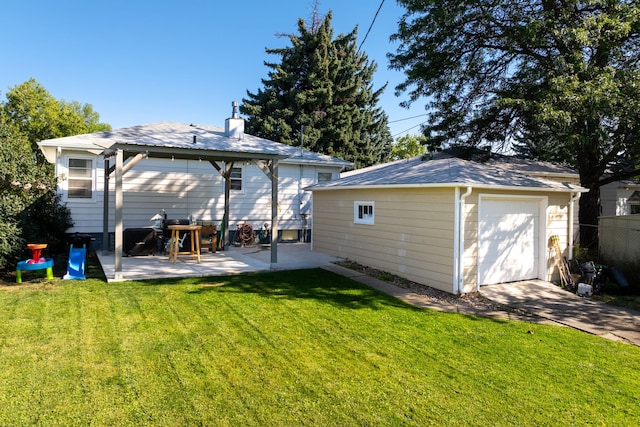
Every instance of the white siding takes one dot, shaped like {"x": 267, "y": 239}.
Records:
{"x": 183, "y": 188}
{"x": 613, "y": 198}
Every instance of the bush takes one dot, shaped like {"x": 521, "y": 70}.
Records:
{"x": 30, "y": 209}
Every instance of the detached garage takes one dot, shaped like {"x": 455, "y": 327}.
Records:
{"x": 445, "y": 222}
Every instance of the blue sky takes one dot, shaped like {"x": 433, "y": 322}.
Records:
{"x": 141, "y": 62}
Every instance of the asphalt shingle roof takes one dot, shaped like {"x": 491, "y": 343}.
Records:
{"x": 447, "y": 171}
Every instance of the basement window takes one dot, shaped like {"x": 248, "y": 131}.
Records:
{"x": 363, "y": 213}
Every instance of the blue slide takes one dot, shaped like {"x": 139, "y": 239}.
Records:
{"x": 75, "y": 267}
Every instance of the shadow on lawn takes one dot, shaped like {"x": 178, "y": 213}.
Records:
{"x": 317, "y": 284}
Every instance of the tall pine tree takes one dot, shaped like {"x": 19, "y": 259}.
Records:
{"x": 321, "y": 95}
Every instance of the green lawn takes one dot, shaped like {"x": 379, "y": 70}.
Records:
{"x": 291, "y": 348}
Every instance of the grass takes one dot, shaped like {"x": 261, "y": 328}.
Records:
{"x": 291, "y": 348}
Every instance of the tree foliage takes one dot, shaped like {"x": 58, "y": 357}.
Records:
{"x": 556, "y": 80}
{"x": 40, "y": 116}
{"x": 30, "y": 208}
{"x": 321, "y": 94}
{"x": 408, "y": 146}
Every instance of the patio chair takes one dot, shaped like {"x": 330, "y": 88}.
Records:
{"x": 180, "y": 242}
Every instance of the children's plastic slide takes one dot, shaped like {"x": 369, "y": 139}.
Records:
{"x": 76, "y": 265}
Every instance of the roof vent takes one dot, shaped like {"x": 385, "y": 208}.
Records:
{"x": 234, "y": 112}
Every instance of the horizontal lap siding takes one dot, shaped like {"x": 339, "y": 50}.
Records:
{"x": 183, "y": 188}
{"x": 557, "y": 224}
{"x": 412, "y": 236}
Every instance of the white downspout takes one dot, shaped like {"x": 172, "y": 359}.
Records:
{"x": 456, "y": 239}
{"x": 572, "y": 199}
{"x": 459, "y": 219}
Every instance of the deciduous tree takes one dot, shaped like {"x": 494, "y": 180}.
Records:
{"x": 40, "y": 116}
{"x": 560, "y": 80}
{"x": 408, "y": 146}
{"x": 30, "y": 208}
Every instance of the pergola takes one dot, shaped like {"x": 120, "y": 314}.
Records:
{"x": 221, "y": 148}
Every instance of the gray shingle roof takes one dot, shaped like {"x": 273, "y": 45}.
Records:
{"x": 442, "y": 172}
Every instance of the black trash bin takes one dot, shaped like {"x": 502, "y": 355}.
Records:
{"x": 80, "y": 240}
{"x": 140, "y": 241}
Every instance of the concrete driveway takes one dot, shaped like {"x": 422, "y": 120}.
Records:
{"x": 553, "y": 303}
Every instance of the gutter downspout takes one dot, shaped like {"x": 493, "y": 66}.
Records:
{"x": 572, "y": 199}
{"x": 459, "y": 240}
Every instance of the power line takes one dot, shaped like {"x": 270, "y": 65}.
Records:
{"x": 371, "y": 26}
{"x": 408, "y": 118}
{"x": 407, "y": 130}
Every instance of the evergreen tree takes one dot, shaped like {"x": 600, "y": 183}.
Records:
{"x": 321, "y": 95}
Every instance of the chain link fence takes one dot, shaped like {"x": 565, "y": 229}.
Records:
{"x": 619, "y": 243}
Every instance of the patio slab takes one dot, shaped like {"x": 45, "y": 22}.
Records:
{"x": 291, "y": 256}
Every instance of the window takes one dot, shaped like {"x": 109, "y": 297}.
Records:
{"x": 363, "y": 213}
{"x": 236, "y": 179}
{"x": 634, "y": 203}
{"x": 80, "y": 182}
{"x": 324, "y": 177}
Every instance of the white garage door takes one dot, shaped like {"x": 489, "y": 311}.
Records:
{"x": 508, "y": 238}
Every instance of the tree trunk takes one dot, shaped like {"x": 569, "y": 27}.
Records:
{"x": 588, "y": 216}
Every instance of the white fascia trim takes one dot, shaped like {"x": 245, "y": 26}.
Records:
{"x": 452, "y": 185}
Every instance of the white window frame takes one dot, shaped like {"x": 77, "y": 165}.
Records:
{"x": 67, "y": 177}
{"x": 364, "y": 212}
{"x": 241, "y": 179}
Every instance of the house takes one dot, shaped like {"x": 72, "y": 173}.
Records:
{"x": 181, "y": 170}
{"x": 620, "y": 198}
{"x": 616, "y": 199}
{"x": 445, "y": 222}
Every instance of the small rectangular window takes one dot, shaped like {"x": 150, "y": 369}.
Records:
{"x": 363, "y": 213}
{"x": 80, "y": 182}
{"x": 324, "y": 177}
{"x": 236, "y": 179}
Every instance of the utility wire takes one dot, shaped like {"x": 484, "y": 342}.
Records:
{"x": 360, "y": 47}
{"x": 408, "y": 118}
{"x": 370, "y": 26}
{"x": 407, "y": 130}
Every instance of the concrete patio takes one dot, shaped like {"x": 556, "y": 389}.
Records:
{"x": 235, "y": 260}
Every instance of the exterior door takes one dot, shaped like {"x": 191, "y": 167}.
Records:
{"x": 508, "y": 239}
